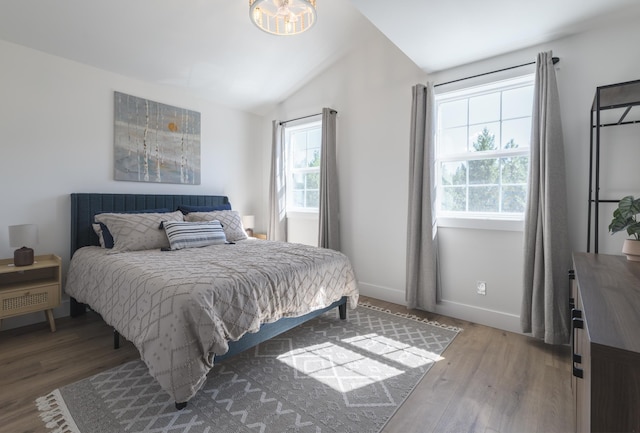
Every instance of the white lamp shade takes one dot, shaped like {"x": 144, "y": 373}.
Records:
{"x": 249, "y": 221}
{"x": 23, "y": 235}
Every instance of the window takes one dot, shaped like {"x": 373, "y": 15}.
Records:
{"x": 303, "y": 145}
{"x": 482, "y": 150}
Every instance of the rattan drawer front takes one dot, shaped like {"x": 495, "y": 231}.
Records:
{"x": 15, "y": 302}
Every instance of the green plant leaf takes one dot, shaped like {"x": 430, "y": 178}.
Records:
{"x": 629, "y": 207}
{"x": 634, "y": 230}
{"x": 624, "y": 217}
{"x": 619, "y": 224}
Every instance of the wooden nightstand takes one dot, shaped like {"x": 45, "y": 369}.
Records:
{"x": 26, "y": 289}
{"x": 262, "y": 236}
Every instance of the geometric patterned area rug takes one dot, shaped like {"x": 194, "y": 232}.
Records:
{"x": 326, "y": 375}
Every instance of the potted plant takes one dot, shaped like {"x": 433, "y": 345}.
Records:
{"x": 625, "y": 217}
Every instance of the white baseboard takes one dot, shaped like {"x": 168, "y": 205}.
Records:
{"x": 495, "y": 319}
{"x": 383, "y": 293}
{"x": 61, "y": 310}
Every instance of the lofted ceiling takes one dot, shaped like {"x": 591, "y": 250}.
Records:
{"x": 438, "y": 35}
{"x": 211, "y": 49}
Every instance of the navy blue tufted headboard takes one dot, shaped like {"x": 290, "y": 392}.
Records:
{"x": 85, "y": 205}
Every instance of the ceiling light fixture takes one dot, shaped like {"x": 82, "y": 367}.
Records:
{"x": 283, "y": 17}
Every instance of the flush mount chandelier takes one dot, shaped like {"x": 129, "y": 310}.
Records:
{"x": 283, "y": 17}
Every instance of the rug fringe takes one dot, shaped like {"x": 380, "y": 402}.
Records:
{"x": 55, "y": 414}
{"x": 409, "y": 316}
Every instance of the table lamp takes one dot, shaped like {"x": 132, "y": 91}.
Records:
{"x": 248, "y": 222}
{"x": 19, "y": 236}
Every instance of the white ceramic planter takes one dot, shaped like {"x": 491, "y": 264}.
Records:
{"x": 631, "y": 248}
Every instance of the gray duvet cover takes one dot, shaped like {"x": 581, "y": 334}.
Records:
{"x": 181, "y": 308}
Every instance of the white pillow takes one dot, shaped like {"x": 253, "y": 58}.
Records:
{"x": 138, "y": 231}
{"x": 98, "y": 230}
{"x": 230, "y": 220}
{"x": 183, "y": 234}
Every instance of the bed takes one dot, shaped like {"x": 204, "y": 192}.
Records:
{"x": 188, "y": 308}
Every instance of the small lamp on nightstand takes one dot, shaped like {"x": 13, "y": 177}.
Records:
{"x": 19, "y": 236}
{"x": 249, "y": 222}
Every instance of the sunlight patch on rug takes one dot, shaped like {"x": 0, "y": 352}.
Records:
{"x": 331, "y": 364}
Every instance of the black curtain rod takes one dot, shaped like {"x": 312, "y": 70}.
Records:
{"x": 304, "y": 117}
{"x": 555, "y": 60}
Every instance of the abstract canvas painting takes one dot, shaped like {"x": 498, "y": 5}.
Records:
{"x": 155, "y": 142}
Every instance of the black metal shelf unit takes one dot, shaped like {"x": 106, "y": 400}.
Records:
{"x": 616, "y": 101}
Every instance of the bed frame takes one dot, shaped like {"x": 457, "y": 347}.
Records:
{"x": 84, "y": 206}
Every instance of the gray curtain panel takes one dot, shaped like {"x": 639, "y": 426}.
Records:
{"x": 422, "y": 241}
{"x": 547, "y": 254}
{"x": 329, "y": 222}
{"x": 277, "y": 229}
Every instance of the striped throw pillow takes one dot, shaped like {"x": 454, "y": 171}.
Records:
{"x": 184, "y": 234}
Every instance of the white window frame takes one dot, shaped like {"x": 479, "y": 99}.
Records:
{"x": 480, "y": 220}
{"x": 308, "y": 124}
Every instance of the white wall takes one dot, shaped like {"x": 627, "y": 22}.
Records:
{"x": 56, "y": 119}
{"x": 302, "y": 228}
{"x": 371, "y": 89}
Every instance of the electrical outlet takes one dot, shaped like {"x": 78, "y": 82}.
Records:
{"x": 481, "y": 288}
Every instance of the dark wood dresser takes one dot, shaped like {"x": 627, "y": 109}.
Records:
{"x": 606, "y": 343}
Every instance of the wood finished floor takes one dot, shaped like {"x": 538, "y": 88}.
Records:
{"x": 489, "y": 380}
